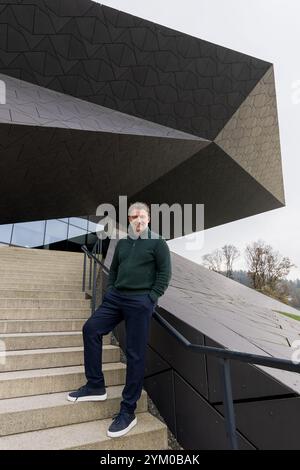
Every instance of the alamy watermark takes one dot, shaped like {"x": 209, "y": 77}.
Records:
{"x": 186, "y": 219}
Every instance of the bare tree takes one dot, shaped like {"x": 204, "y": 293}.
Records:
{"x": 267, "y": 268}
{"x": 217, "y": 259}
{"x": 231, "y": 253}
{"x": 214, "y": 260}
{"x": 255, "y": 258}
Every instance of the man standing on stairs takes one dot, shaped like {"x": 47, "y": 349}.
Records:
{"x": 140, "y": 272}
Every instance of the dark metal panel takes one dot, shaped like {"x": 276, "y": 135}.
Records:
{"x": 187, "y": 363}
{"x": 247, "y": 381}
{"x": 270, "y": 424}
{"x": 155, "y": 364}
{"x": 161, "y": 391}
{"x": 199, "y": 426}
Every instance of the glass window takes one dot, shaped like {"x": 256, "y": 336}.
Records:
{"x": 77, "y": 235}
{"x": 75, "y": 232}
{"x": 94, "y": 226}
{"x": 55, "y": 231}
{"x": 29, "y": 233}
{"x": 5, "y": 232}
{"x": 78, "y": 222}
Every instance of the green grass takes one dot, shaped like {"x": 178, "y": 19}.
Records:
{"x": 290, "y": 315}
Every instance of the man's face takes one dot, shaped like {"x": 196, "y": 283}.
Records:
{"x": 138, "y": 219}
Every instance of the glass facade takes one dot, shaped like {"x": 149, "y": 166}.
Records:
{"x": 58, "y": 234}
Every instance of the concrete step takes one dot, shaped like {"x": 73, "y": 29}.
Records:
{"x": 22, "y": 262}
{"x": 52, "y": 285}
{"x": 12, "y": 272}
{"x": 44, "y": 255}
{"x": 34, "y": 252}
{"x": 27, "y": 263}
{"x": 21, "y": 341}
{"x": 41, "y": 340}
{"x": 19, "y": 265}
{"x": 43, "y": 313}
{"x": 44, "y": 303}
{"x": 56, "y": 379}
{"x": 20, "y": 259}
{"x": 32, "y": 263}
{"x": 25, "y": 414}
{"x": 52, "y": 357}
{"x": 46, "y": 276}
{"x": 41, "y": 257}
{"x": 38, "y": 326}
{"x": 40, "y": 294}
{"x": 148, "y": 434}
{"x": 33, "y": 266}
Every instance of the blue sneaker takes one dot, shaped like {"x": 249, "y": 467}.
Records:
{"x": 122, "y": 423}
{"x": 85, "y": 393}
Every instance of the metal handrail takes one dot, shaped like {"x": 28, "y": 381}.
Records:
{"x": 93, "y": 257}
{"x": 224, "y": 356}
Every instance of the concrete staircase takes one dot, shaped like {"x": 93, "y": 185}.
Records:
{"x": 42, "y": 311}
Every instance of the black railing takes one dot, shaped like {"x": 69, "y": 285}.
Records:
{"x": 224, "y": 356}
{"x": 94, "y": 260}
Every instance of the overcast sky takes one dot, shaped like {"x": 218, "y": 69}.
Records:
{"x": 269, "y": 30}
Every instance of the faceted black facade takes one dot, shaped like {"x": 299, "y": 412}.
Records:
{"x": 102, "y": 103}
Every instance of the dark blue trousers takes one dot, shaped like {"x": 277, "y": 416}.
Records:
{"x": 136, "y": 310}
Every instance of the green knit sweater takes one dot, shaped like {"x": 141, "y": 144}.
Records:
{"x": 141, "y": 265}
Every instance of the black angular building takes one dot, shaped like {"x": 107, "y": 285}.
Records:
{"x": 100, "y": 103}
{"x": 104, "y": 102}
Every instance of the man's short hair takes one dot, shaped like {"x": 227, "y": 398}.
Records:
{"x": 139, "y": 205}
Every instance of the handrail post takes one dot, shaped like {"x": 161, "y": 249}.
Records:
{"x": 93, "y": 257}
{"x": 94, "y": 287}
{"x": 228, "y": 404}
{"x": 90, "y": 277}
{"x": 84, "y": 272}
